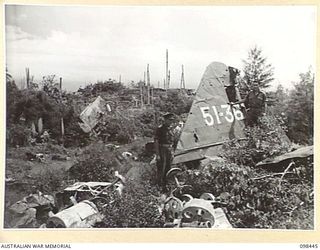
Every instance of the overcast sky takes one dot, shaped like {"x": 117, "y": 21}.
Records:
{"x": 83, "y": 44}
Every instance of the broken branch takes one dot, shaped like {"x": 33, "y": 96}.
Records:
{"x": 270, "y": 175}
{"x": 285, "y": 171}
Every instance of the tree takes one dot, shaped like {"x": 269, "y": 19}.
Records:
{"x": 257, "y": 69}
{"x": 51, "y": 86}
{"x": 13, "y": 96}
{"x": 300, "y": 109}
{"x": 278, "y": 105}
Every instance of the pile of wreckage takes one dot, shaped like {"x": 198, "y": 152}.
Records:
{"x": 80, "y": 205}
{"x": 77, "y": 206}
{"x": 74, "y": 207}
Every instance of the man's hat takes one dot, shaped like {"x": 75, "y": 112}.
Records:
{"x": 168, "y": 116}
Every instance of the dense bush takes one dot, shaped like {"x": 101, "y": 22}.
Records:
{"x": 146, "y": 123}
{"x": 96, "y": 163}
{"x": 116, "y": 128}
{"x": 13, "y": 96}
{"x": 109, "y": 86}
{"x": 49, "y": 181}
{"x": 263, "y": 141}
{"x": 137, "y": 207}
{"x": 174, "y": 102}
{"x": 18, "y": 135}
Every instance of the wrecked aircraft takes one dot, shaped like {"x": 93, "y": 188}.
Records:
{"x": 213, "y": 118}
{"x": 91, "y": 115}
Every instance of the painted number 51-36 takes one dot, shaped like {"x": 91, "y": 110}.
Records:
{"x": 226, "y": 113}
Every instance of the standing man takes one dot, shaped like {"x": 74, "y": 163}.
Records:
{"x": 164, "y": 139}
{"x": 255, "y": 105}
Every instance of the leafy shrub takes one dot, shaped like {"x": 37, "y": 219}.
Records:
{"x": 116, "y": 129}
{"x": 137, "y": 207}
{"x": 18, "y": 135}
{"x": 96, "y": 163}
{"x": 266, "y": 140}
{"x": 145, "y": 123}
{"x": 174, "y": 102}
{"x": 49, "y": 181}
{"x": 123, "y": 137}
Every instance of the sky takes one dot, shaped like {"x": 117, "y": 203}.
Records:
{"x": 86, "y": 44}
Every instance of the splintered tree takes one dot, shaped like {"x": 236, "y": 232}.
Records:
{"x": 257, "y": 69}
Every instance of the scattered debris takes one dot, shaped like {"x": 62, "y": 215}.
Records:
{"x": 38, "y": 157}
{"x": 112, "y": 146}
{"x": 9, "y": 180}
{"x": 127, "y": 155}
{"x": 31, "y": 210}
{"x": 59, "y": 157}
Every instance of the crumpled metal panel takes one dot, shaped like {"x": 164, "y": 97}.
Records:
{"x": 211, "y": 120}
{"x": 91, "y": 115}
{"x": 303, "y": 152}
{"x": 82, "y": 215}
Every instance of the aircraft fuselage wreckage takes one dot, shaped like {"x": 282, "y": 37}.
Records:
{"x": 213, "y": 118}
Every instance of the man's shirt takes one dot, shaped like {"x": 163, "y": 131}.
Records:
{"x": 164, "y": 135}
{"x": 255, "y": 100}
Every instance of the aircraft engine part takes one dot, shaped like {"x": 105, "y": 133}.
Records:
{"x": 186, "y": 198}
{"x": 208, "y": 197}
{"x": 172, "y": 174}
{"x": 173, "y": 207}
{"x": 198, "y": 210}
{"x": 83, "y": 215}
